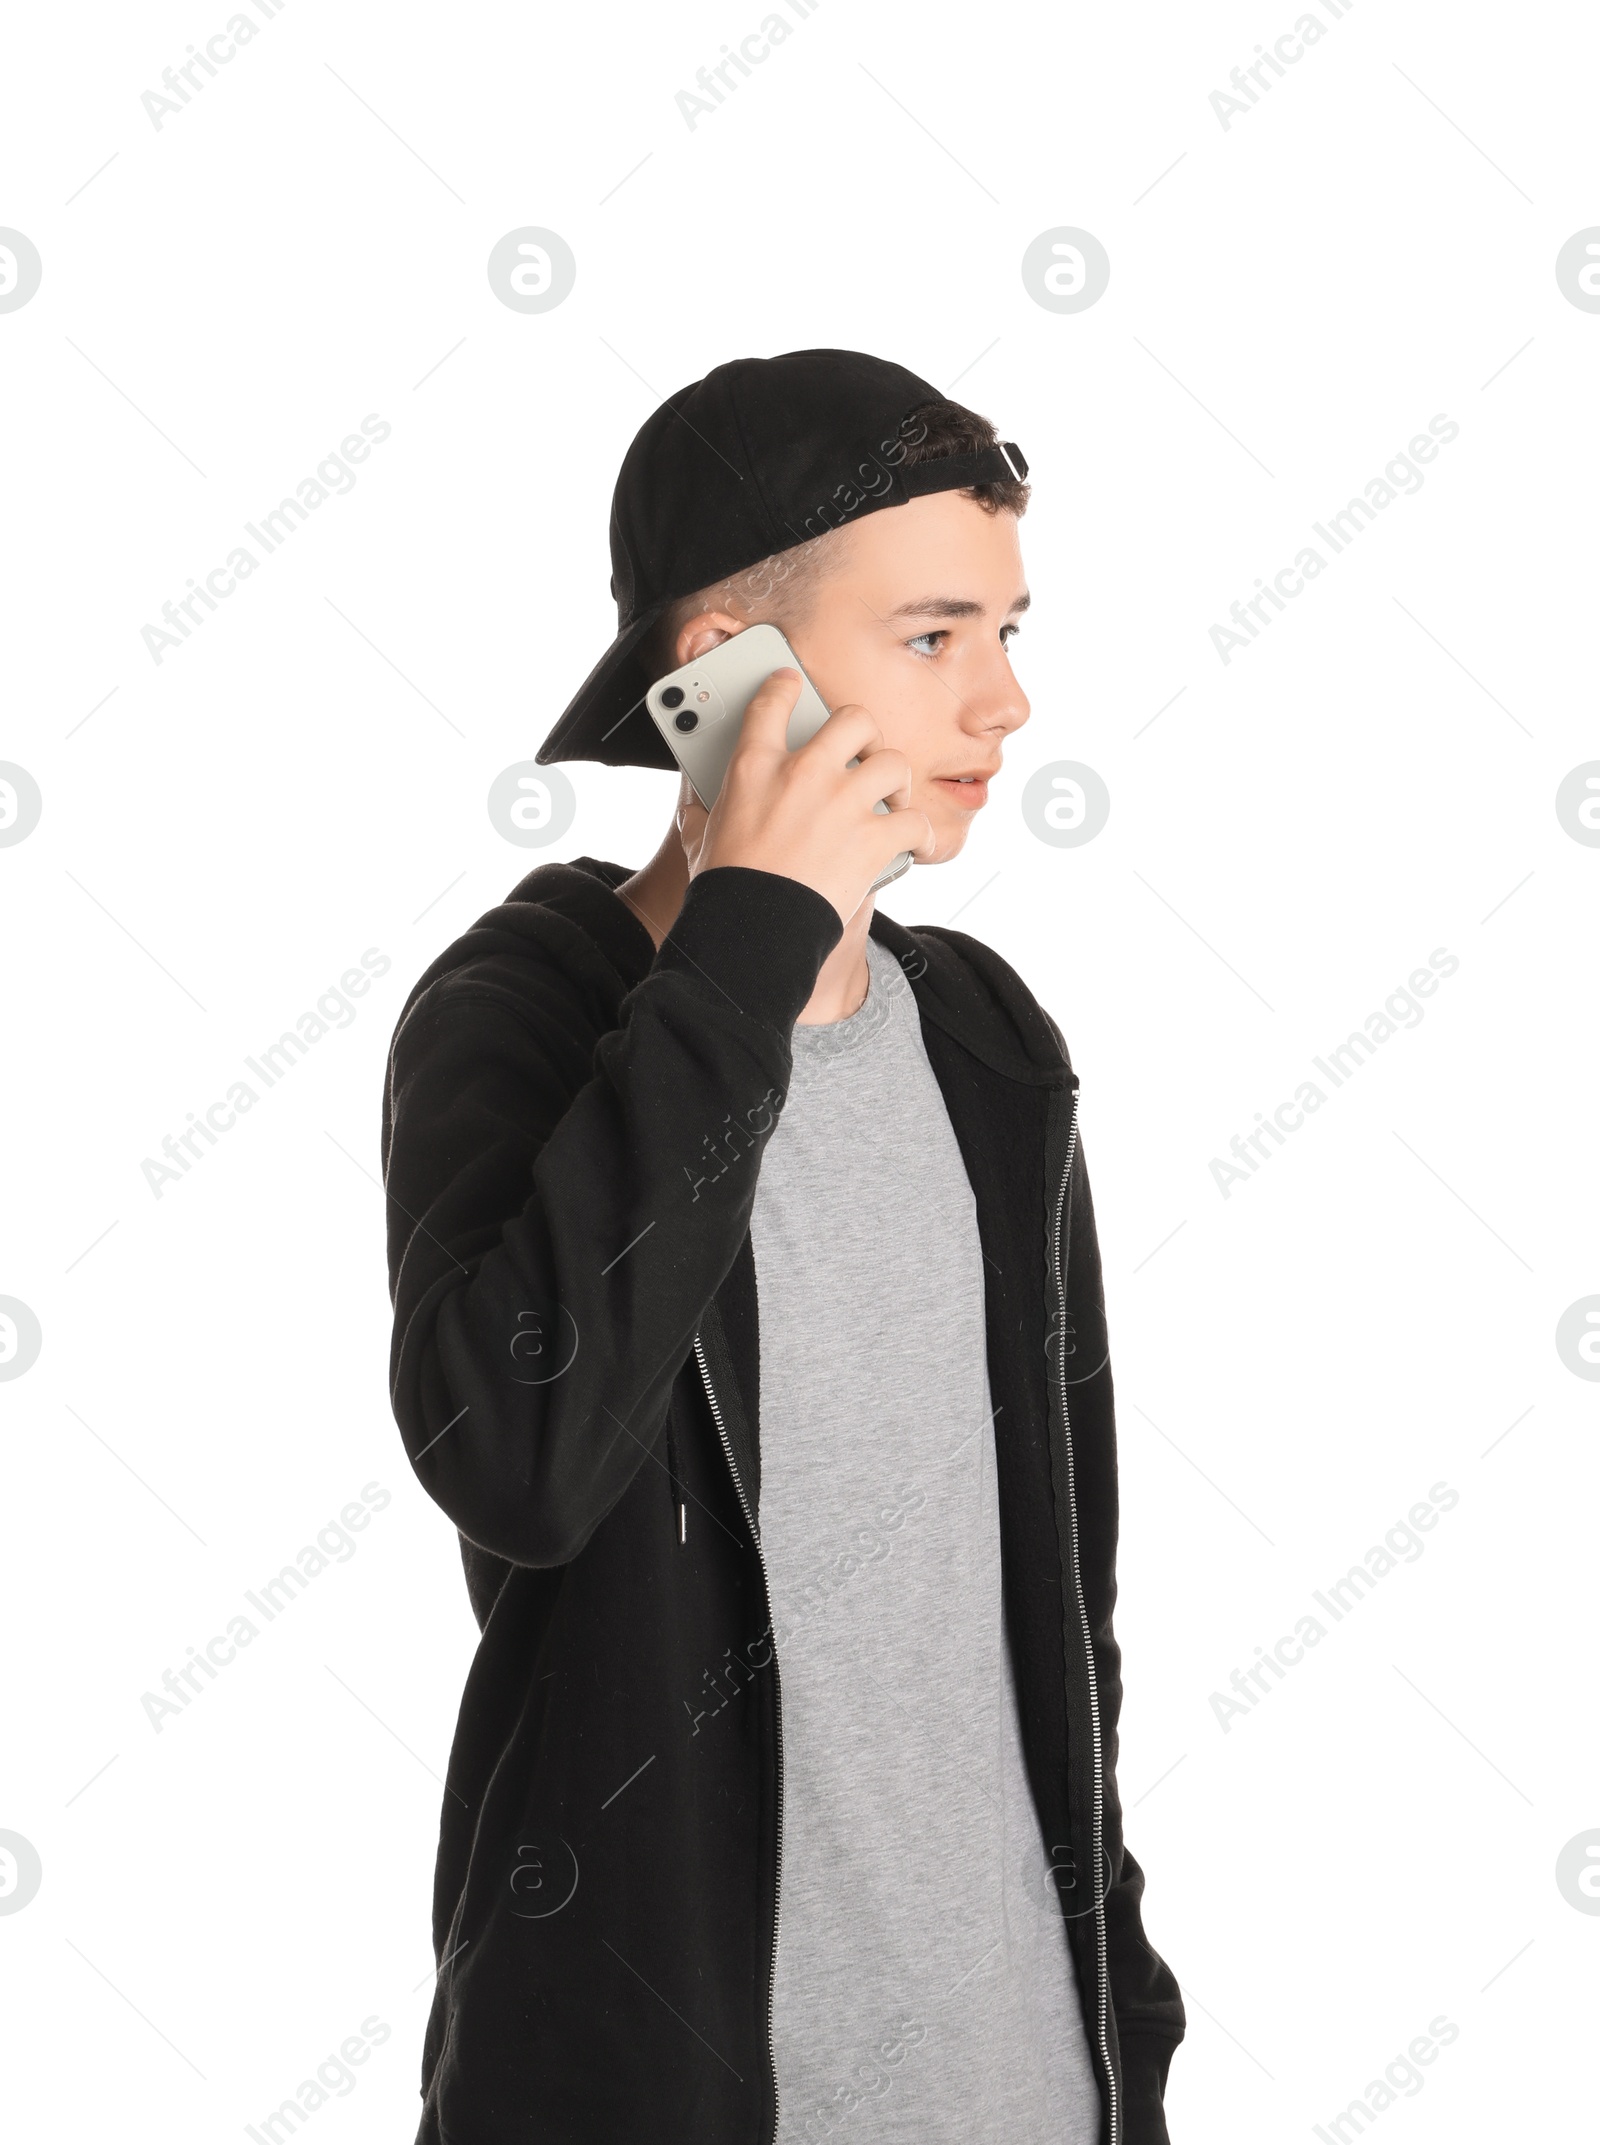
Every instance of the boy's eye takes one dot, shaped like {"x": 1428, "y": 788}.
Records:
{"x": 929, "y": 644}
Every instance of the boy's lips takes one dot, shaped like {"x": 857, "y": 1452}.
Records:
{"x": 967, "y": 793}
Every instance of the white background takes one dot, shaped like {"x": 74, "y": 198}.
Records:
{"x": 1291, "y": 301}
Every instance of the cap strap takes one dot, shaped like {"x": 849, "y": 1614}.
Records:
{"x": 1002, "y": 464}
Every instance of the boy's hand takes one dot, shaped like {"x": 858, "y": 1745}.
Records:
{"x": 805, "y": 815}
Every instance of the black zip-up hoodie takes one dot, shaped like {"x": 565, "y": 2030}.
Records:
{"x": 572, "y": 1127}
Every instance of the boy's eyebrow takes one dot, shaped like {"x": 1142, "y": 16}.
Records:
{"x": 952, "y": 607}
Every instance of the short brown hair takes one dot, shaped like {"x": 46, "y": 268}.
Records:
{"x": 784, "y": 581}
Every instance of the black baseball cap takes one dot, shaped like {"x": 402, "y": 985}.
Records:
{"x": 759, "y": 456}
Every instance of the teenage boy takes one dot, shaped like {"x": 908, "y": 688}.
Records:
{"x": 749, "y": 1326}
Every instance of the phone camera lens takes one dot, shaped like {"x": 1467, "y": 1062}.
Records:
{"x": 688, "y": 720}
{"x": 672, "y": 697}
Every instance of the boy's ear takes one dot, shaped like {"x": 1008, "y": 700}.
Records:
{"x": 707, "y": 629}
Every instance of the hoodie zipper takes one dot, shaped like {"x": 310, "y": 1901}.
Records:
{"x": 777, "y": 1691}
{"x": 1103, "y": 1980}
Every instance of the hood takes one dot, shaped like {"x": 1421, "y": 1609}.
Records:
{"x": 567, "y": 913}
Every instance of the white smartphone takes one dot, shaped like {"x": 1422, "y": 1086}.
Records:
{"x": 700, "y": 708}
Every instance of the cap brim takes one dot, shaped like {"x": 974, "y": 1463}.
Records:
{"x": 606, "y": 719}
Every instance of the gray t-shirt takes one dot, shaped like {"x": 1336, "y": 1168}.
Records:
{"x": 924, "y": 1993}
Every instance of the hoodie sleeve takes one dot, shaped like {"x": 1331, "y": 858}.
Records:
{"x": 553, "y": 1246}
{"x": 1145, "y": 1997}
